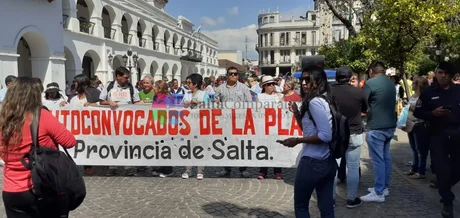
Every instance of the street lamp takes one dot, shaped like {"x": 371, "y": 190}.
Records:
{"x": 130, "y": 61}
{"x": 110, "y": 58}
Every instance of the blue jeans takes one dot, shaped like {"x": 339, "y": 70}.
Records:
{"x": 419, "y": 141}
{"x": 378, "y": 142}
{"x": 353, "y": 157}
{"x": 313, "y": 174}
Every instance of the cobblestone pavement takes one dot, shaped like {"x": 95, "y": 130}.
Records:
{"x": 146, "y": 196}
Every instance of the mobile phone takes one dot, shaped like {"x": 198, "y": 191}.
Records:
{"x": 280, "y": 141}
{"x": 447, "y": 107}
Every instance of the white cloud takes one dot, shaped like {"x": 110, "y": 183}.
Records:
{"x": 213, "y": 22}
{"x": 234, "y": 39}
{"x": 233, "y": 11}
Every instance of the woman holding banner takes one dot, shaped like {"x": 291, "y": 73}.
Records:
{"x": 269, "y": 98}
{"x": 317, "y": 168}
{"x": 23, "y": 100}
{"x": 161, "y": 100}
{"x": 192, "y": 99}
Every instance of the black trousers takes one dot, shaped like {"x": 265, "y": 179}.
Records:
{"x": 229, "y": 169}
{"x": 264, "y": 170}
{"x": 445, "y": 151}
{"x": 26, "y": 205}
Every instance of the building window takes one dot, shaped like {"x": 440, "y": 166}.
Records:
{"x": 272, "y": 19}
{"x": 313, "y": 37}
{"x": 337, "y": 35}
{"x": 304, "y": 38}
{"x": 313, "y": 51}
{"x": 300, "y": 52}
{"x": 285, "y": 56}
{"x": 260, "y": 20}
{"x": 265, "y": 19}
{"x": 266, "y": 40}
{"x": 271, "y": 39}
{"x": 282, "y": 37}
{"x": 287, "y": 38}
{"x": 313, "y": 17}
{"x": 297, "y": 38}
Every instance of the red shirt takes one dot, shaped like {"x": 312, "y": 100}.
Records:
{"x": 294, "y": 97}
{"x": 16, "y": 177}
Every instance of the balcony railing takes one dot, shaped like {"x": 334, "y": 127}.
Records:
{"x": 176, "y": 51}
{"x": 156, "y": 46}
{"x": 285, "y": 61}
{"x": 109, "y": 33}
{"x": 86, "y": 26}
{"x": 65, "y": 21}
{"x": 142, "y": 42}
{"x": 127, "y": 38}
{"x": 167, "y": 48}
{"x": 192, "y": 56}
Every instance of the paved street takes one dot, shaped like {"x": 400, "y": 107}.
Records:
{"x": 146, "y": 196}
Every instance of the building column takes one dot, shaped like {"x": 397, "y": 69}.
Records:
{"x": 40, "y": 66}
{"x": 161, "y": 44}
{"x": 70, "y": 73}
{"x": 148, "y": 40}
{"x": 57, "y": 67}
{"x": 8, "y": 66}
{"x": 118, "y": 36}
{"x": 72, "y": 22}
{"x": 98, "y": 29}
{"x": 134, "y": 39}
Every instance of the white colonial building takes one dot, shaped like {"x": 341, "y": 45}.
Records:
{"x": 282, "y": 42}
{"x": 57, "y": 39}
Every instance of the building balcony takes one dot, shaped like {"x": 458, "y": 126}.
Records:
{"x": 109, "y": 33}
{"x": 86, "y": 26}
{"x": 127, "y": 38}
{"x": 192, "y": 56}
{"x": 65, "y": 21}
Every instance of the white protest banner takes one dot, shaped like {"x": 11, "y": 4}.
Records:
{"x": 138, "y": 135}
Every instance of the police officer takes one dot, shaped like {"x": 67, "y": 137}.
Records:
{"x": 440, "y": 106}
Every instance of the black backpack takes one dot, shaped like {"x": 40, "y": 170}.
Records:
{"x": 131, "y": 90}
{"x": 55, "y": 176}
{"x": 340, "y": 132}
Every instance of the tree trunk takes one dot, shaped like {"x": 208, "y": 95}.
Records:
{"x": 404, "y": 77}
{"x": 351, "y": 29}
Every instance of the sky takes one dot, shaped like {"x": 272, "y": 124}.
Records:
{"x": 229, "y": 22}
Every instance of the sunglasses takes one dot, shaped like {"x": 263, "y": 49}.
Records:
{"x": 270, "y": 84}
{"x": 232, "y": 74}
{"x": 307, "y": 79}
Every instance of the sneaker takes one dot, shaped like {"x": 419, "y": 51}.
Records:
{"x": 373, "y": 197}
{"x": 385, "y": 191}
{"x": 155, "y": 173}
{"x": 279, "y": 176}
{"x": 89, "y": 171}
{"x": 354, "y": 203}
{"x": 164, "y": 175}
{"x": 186, "y": 174}
{"x": 131, "y": 172}
{"x": 417, "y": 176}
{"x": 409, "y": 173}
{"x": 223, "y": 173}
{"x": 111, "y": 172}
{"x": 261, "y": 176}
{"x": 199, "y": 175}
{"x": 448, "y": 211}
{"x": 245, "y": 174}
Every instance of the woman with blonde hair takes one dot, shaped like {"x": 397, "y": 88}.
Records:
{"x": 23, "y": 100}
{"x": 289, "y": 91}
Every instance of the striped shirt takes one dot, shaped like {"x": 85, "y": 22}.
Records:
{"x": 237, "y": 93}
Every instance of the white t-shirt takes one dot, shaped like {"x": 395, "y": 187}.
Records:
{"x": 199, "y": 96}
{"x": 273, "y": 98}
{"x": 77, "y": 102}
{"x": 53, "y": 104}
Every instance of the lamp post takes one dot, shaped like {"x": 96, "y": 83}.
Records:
{"x": 130, "y": 61}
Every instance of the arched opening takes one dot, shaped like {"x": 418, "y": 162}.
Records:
{"x": 117, "y": 62}
{"x": 195, "y": 70}
{"x": 175, "y": 46}
{"x": 164, "y": 70}
{"x": 140, "y": 33}
{"x": 183, "y": 73}
{"x": 201, "y": 49}
{"x": 208, "y": 73}
{"x": 70, "y": 71}
{"x": 174, "y": 71}
{"x": 189, "y": 44}
{"x": 108, "y": 16}
{"x": 190, "y": 70}
{"x": 166, "y": 40}
{"x": 141, "y": 67}
{"x": 202, "y": 72}
{"x": 194, "y": 46}
{"x": 90, "y": 63}
{"x": 155, "y": 32}
{"x": 154, "y": 71}
{"x": 33, "y": 54}
{"x": 126, "y": 22}
{"x": 84, "y": 12}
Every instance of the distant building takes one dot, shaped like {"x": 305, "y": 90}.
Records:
{"x": 225, "y": 63}
{"x": 231, "y": 55}
{"x": 282, "y": 42}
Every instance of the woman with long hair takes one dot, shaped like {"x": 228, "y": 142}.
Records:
{"x": 23, "y": 100}
{"x": 161, "y": 99}
{"x": 84, "y": 96}
{"x": 317, "y": 168}
{"x": 418, "y": 140}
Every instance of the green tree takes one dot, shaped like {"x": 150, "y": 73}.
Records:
{"x": 399, "y": 29}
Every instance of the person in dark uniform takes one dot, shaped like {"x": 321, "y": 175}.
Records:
{"x": 440, "y": 105}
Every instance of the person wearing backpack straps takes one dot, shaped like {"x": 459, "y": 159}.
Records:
{"x": 20, "y": 194}
{"x": 120, "y": 91}
{"x": 317, "y": 168}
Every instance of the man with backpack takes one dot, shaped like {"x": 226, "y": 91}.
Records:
{"x": 120, "y": 91}
{"x": 381, "y": 121}
{"x": 351, "y": 102}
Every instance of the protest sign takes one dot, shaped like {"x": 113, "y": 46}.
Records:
{"x": 137, "y": 135}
